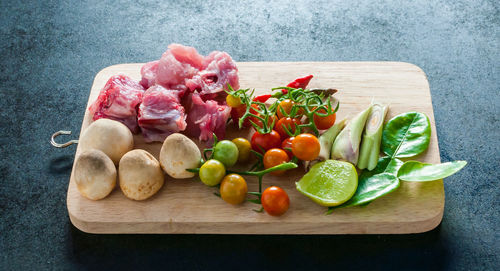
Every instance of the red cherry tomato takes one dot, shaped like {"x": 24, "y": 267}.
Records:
{"x": 287, "y": 122}
{"x": 286, "y": 145}
{"x": 237, "y": 113}
{"x": 269, "y": 121}
{"x": 252, "y": 110}
{"x": 306, "y": 147}
{"x": 275, "y": 201}
{"x": 274, "y": 157}
{"x": 323, "y": 123}
{"x": 263, "y": 142}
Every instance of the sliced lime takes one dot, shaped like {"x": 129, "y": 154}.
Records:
{"x": 329, "y": 183}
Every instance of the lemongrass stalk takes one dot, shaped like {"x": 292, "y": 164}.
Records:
{"x": 326, "y": 142}
{"x": 346, "y": 145}
{"x": 370, "y": 145}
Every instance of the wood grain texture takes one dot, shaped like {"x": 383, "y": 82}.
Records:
{"x": 188, "y": 206}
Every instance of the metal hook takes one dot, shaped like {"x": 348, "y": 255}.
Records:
{"x": 64, "y": 145}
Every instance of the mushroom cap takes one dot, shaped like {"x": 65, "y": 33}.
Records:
{"x": 140, "y": 175}
{"x": 110, "y": 136}
{"x": 177, "y": 154}
{"x": 95, "y": 174}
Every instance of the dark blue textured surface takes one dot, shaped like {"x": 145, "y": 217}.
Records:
{"x": 50, "y": 52}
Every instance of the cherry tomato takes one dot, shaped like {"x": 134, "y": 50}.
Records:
{"x": 227, "y": 152}
{"x": 275, "y": 201}
{"x": 306, "y": 147}
{"x": 233, "y": 101}
{"x": 237, "y": 113}
{"x": 244, "y": 147}
{"x": 269, "y": 121}
{"x": 286, "y": 145}
{"x": 274, "y": 157}
{"x": 287, "y": 122}
{"x": 323, "y": 123}
{"x": 263, "y": 142}
{"x": 212, "y": 172}
{"x": 253, "y": 111}
{"x": 272, "y": 119}
{"x": 287, "y": 105}
{"x": 233, "y": 189}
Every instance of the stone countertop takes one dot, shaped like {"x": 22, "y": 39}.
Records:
{"x": 51, "y": 51}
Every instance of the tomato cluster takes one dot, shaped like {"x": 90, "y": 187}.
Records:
{"x": 285, "y": 131}
{"x": 278, "y": 137}
{"x": 225, "y": 153}
{"x": 233, "y": 188}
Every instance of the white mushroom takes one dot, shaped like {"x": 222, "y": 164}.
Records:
{"x": 110, "y": 136}
{"x": 140, "y": 175}
{"x": 177, "y": 154}
{"x": 95, "y": 174}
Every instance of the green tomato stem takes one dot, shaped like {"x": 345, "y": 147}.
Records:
{"x": 283, "y": 166}
{"x": 193, "y": 170}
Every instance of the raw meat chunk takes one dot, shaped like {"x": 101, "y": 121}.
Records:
{"x": 181, "y": 70}
{"x": 148, "y": 72}
{"x": 118, "y": 100}
{"x": 178, "y": 64}
{"x": 206, "y": 117}
{"x": 160, "y": 113}
{"x": 219, "y": 70}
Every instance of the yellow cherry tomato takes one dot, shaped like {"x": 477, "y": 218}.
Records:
{"x": 233, "y": 189}
{"x": 233, "y": 101}
{"x": 212, "y": 172}
{"x": 244, "y": 148}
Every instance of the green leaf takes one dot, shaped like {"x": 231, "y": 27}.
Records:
{"x": 367, "y": 182}
{"x": 406, "y": 135}
{"x": 415, "y": 171}
{"x": 384, "y": 165}
{"x": 372, "y": 188}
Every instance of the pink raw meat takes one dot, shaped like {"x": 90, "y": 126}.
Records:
{"x": 118, "y": 100}
{"x": 178, "y": 64}
{"x": 160, "y": 113}
{"x": 219, "y": 70}
{"x": 179, "y": 70}
{"x": 148, "y": 72}
{"x": 206, "y": 117}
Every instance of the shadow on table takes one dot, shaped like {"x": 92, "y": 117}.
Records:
{"x": 423, "y": 251}
{"x": 61, "y": 164}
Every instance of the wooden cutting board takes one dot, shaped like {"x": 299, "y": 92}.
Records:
{"x": 188, "y": 206}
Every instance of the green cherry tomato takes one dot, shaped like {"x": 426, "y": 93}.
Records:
{"x": 244, "y": 148}
{"x": 212, "y": 172}
{"x": 226, "y": 152}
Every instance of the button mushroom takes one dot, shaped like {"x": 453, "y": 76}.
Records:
{"x": 110, "y": 136}
{"x": 140, "y": 175}
{"x": 95, "y": 174}
{"x": 177, "y": 154}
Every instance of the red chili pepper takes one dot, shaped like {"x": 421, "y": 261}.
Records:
{"x": 301, "y": 82}
{"x": 262, "y": 98}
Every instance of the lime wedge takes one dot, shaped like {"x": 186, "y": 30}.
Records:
{"x": 329, "y": 183}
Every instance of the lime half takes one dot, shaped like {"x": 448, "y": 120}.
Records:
{"x": 329, "y": 183}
